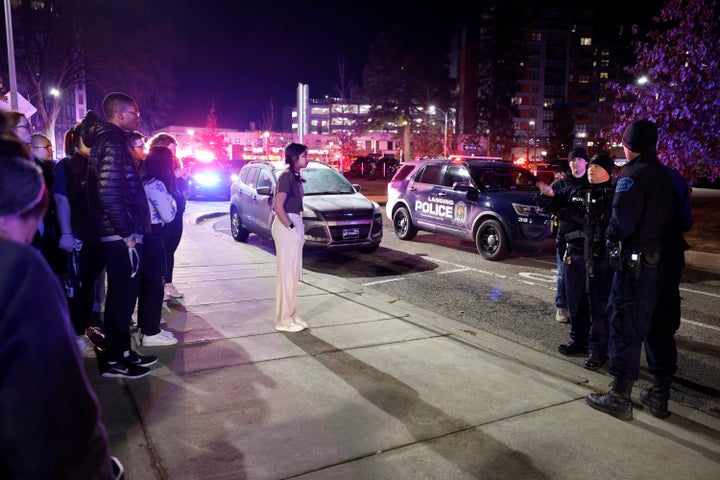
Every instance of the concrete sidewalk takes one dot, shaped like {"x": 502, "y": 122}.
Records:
{"x": 376, "y": 389}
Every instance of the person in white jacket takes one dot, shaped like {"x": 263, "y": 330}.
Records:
{"x": 156, "y": 170}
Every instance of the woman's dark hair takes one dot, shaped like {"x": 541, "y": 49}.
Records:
{"x": 292, "y": 153}
{"x": 134, "y": 136}
{"x": 72, "y": 139}
{"x": 158, "y": 164}
{"x": 162, "y": 139}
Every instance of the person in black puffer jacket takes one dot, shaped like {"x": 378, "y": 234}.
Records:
{"x": 120, "y": 216}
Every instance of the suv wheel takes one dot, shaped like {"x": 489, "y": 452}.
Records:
{"x": 491, "y": 240}
{"x": 402, "y": 224}
{"x": 238, "y": 232}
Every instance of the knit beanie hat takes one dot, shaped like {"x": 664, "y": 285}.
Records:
{"x": 21, "y": 185}
{"x": 604, "y": 161}
{"x": 640, "y": 136}
{"x": 577, "y": 152}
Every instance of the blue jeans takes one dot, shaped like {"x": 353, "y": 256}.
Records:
{"x": 560, "y": 301}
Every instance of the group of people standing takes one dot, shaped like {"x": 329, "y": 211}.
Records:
{"x": 115, "y": 210}
{"x": 620, "y": 255}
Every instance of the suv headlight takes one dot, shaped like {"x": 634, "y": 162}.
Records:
{"x": 310, "y": 215}
{"x": 527, "y": 210}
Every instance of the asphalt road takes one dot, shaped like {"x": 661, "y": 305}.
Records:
{"x": 513, "y": 298}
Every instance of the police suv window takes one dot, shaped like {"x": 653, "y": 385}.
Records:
{"x": 430, "y": 174}
{"x": 455, "y": 174}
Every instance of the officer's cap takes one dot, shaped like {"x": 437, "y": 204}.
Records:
{"x": 604, "y": 161}
{"x": 577, "y": 152}
{"x": 640, "y": 136}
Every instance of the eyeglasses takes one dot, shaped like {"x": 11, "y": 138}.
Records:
{"x": 47, "y": 147}
{"x": 137, "y": 114}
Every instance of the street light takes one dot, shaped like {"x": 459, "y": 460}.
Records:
{"x": 432, "y": 111}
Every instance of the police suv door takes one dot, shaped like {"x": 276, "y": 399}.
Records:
{"x": 428, "y": 203}
{"x": 455, "y": 205}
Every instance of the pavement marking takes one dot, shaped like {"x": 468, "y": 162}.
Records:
{"x": 466, "y": 267}
{"x": 383, "y": 281}
{"x": 455, "y": 271}
{"x": 701, "y": 293}
{"x": 700, "y": 324}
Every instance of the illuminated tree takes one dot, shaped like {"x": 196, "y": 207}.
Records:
{"x": 211, "y": 139}
{"x": 680, "y": 61}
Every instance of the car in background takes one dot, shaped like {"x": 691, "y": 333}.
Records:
{"x": 490, "y": 203}
{"x": 361, "y": 167}
{"x": 386, "y": 167}
{"x": 209, "y": 180}
{"x": 335, "y": 214}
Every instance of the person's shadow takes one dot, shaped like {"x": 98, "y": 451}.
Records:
{"x": 425, "y": 422}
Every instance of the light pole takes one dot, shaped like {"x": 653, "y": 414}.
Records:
{"x": 531, "y": 124}
{"x": 266, "y": 135}
{"x": 534, "y": 140}
{"x": 432, "y": 111}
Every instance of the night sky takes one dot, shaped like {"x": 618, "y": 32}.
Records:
{"x": 242, "y": 55}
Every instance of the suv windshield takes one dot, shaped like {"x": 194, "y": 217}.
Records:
{"x": 502, "y": 179}
{"x": 323, "y": 181}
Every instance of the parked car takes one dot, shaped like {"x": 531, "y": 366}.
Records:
{"x": 490, "y": 203}
{"x": 361, "y": 167}
{"x": 386, "y": 167}
{"x": 209, "y": 180}
{"x": 336, "y": 216}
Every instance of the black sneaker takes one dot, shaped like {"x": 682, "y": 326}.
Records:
{"x": 123, "y": 369}
{"x": 572, "y": 348}
{"x": 140, "y": 360}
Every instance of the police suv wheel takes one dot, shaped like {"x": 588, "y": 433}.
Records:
{"x": 402, "y": 224}
{"x": 238, "y": 232}
{"x": 491, "y": 241}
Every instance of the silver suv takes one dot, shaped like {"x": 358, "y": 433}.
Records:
{"x": 335, "y": 214}
{"x": 490, "y": 203}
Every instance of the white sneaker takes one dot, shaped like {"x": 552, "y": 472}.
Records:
{"x": 85, "y": 346}
{"x": 166, "y": 333}
{"x": 158, "y": 340}
{"x": 293, "y": 327}
{"x": 301, "y": 322}
{"x": 171, "y": 291}
{"x": 562, "y": 315}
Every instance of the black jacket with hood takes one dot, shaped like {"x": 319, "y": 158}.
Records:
{"x": 116, "y": 196}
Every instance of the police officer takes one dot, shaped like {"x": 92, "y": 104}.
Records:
{"x": 587, "y": 272}
{"x": 649, "y": 217}
{"x": 575, "y": 176}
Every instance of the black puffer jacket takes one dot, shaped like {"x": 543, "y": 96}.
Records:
{"x": 116, "y": 196}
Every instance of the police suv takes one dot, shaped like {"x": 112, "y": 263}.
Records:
{"x": 490, "y": 203}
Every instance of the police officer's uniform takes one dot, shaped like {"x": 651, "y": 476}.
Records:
{"x": 649, "y": 216}
{"x": 587, "y": 216}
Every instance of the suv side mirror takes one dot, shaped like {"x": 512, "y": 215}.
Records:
{"x": 264, "y": 191}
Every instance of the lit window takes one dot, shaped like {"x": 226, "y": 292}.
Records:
{"x": 586, "y": 41}
{"x": 604, "y": 75}
{"x": 584, "y": 78}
